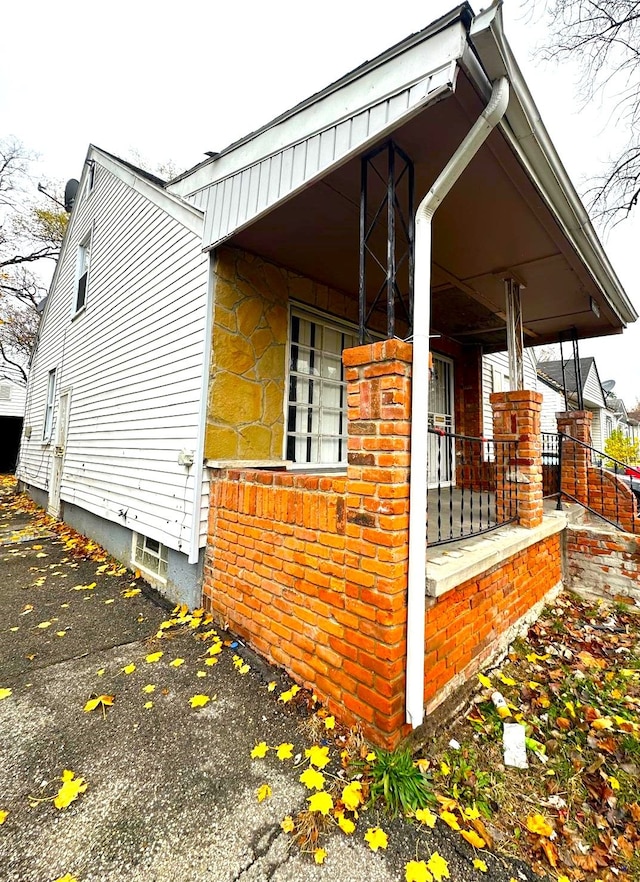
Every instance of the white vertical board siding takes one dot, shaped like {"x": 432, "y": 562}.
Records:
{"x": 592, "y": 390}
{"x": 497, "y": 363}
{"x": 552, "y": 403}
{"x": 12, "y": 398}
{"x": 134, "y": 362}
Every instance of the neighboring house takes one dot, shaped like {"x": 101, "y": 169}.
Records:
{"x": 550, "y": 374}
{"x": 200, "y": 352}
{"x": 12, "y": 403}
{"x": 495, "y": 378}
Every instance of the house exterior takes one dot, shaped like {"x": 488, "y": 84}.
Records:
{"x": 550, "y": 374}
{"x": 12, "y": 404}
{"x": 244, "y": 369}
{"x": 495, "y": 378}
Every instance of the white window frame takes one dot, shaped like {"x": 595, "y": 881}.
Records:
{"x": 324, "y": 321}
{"x": 83, "y": 270}
{"x": 5, "y": 392}
{"x": 47, "y": 430}
{"x": 142, "y": 545}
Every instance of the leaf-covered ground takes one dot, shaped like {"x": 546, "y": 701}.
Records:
{"x": 148, "y": 744}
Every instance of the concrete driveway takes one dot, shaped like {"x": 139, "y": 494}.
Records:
{"x": 171, "y": 789}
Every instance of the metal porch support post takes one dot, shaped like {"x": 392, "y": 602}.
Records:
{"x": 514, "y": 334}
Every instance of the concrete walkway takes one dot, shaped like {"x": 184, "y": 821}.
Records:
{"x": 171, "y": 792}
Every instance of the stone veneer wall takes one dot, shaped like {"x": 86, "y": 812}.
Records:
{"x": 248, "y": 363}
{"x": 603, "y": 562}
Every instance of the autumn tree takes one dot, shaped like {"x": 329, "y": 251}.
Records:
{"x": 31, "y": 234}
{"x": 604, "y": 37}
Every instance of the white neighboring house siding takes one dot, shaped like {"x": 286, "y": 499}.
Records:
{"x": 552, "y": 403}
{"x": 133, "y": 359}
{"x": 495, "y": 378}
{"x": 12, "y": 398}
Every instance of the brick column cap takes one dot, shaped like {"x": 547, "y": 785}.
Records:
{"x": 574, "y": 415}
{"x": 516, "y": 396}
{"x": 384, "y": 350}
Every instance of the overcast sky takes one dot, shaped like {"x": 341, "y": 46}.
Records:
{"x": 172, "y": 80}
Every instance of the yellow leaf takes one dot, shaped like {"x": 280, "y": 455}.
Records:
{"x": 450, "y": 819}
{"x": 147, "y": 705}
{"x": 352, "y": 796}
{"x": 70, "y": 789}
{"x": 66, "y": 878}
{"x": 84, "y": 587}
{"x": 259, "y": 751}
{"x": 14, "y": 629}
{"x": 271, "y": 686}
{"x": 175, "y": 663}
{"x": 93, "y": 703}
{"x": 320, "y": 802}
{"x": 154, "y": 657}
{"x": 330, "y": 723}
{"x": 42, "y": 554}
{"x": 602, "y": 723}
{"x": 110, "y": 600}
{"x": 444, "y": 768}
{"x": 285, "y": 696}
{"x": 319, "y": 855}
{"x": 44, "y": 625}
{"x": 284, "y": 751}
{"x": 287, "y": 824}
{"x": 376, "y": 838}
{"x": 426, "y": 817}
{"x": 5, "y": 693}
{"x": 613, "y": 783}
{"x": 131, "y": 592}
{"x": 539, "y": 825}
{"x": 371, "y": 757}
{"x": 508, "y": 681}
{"x": 129, "y": 669}
{"x": 471, "y": 814}
{"x": 312, "y": 779}
{"x": 263, "y": 792}
{"x": 439, "y": 867}
{"x": 346, "y": 824}
{"x": 423, "y": 764}
{"x": 294, "y": 690}
{"x": 244, "y": 669}
{"x": 201, "y": 673}
{"x": 473, "y": 839}
{"x": 199, "y": 700}
{"x": 480, "y": 865}
{"x": 3, "y": 816}
{"x": 215, "y": 649}
{"x": 60, "y": 633}
{"x": 211, "y": 661}
{"x": 100, "y": 673}
{"x": 416, "y": 871}
{"x": 149, "y": 688}
{"x": 318, "y": 756}
{"x": 485, "y": 681}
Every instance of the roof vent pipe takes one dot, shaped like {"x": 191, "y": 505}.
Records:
{"x": 482, "y": 128}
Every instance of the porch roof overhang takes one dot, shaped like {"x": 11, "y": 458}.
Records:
{"x": 290, "y": 192}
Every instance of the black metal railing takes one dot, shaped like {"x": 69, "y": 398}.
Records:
{"x": 605, "y": 486}
{"x": 550, "y": 464}
{"x": 472, "y": 487}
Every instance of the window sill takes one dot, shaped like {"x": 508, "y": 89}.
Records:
{"x": 78, "y": 313}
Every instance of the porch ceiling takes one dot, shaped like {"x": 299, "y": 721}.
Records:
{"x": 493, "y": 223}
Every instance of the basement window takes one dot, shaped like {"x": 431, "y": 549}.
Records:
{"x": 150, "y": 555}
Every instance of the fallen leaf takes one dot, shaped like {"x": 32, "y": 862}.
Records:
{"x": 263, "y": 792}
{"x": 416, "y": 871}
{"x": 439, "y": 867}
{"x": 312, "y": 779}
{"x": 199, "y": 700}
{"x": 211, "y": 661}
{"x": 61, "y": 633}
{"x": 376, "y": 838}
{"x": 287, "y": 824}
{"x": 201, "y": 674}
{"x": 319, "y": 855}
{"x": 149, "y": 688}
{"x": 244, "y": 669}
{"x": 473, "y": 839}
{"x": 71, "y": 788}
{"x": 5, "y": 693}
{"x": 352, "y": 795}
{"x": 131, "y": 592}
{"x": 84, "y": 587}
{"x": 260, "y": 750}
{"x": 450, "y": 820}
{"x": 44, "y": 625}
{"x": 346, "y": 824}
{"x": 271, "y": 686}
{"x": 100, "y": 700}
{"x": 129, "y": 669}
{"x": 479, "y": 864}
{"x": 284, "y": 751}
{"x": 3, "y": 816}
{"x": 426, "y": 817}
{"x": 66, "y": 878}
{"x": 320, "y": 802}
{"x": 485, "y": 681}
{"x": 539, "y": 825}
{"x": 154, "y": 656}
{"x": 318, "y": 756}
{"x": 175, "y": 663}
{"x": 147, "y": 705}
{"x": 330, "y": 723}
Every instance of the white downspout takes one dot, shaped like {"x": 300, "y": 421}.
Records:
{"x": 484, "y": 125}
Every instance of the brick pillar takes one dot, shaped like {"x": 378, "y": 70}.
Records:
{"x": 575, "y": 458}
{"x": 516, "y": 418}
{"x": 377, "y": 532}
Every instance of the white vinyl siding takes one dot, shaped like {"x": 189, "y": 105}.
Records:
{"x": 552, "y": 403}
{"x": 592, "y": 390}
{"x": 134, "y": 360}
{"x": 49, "y": 406}
{"x": 495, "y": 373}
{"x": 317, "y": 401}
